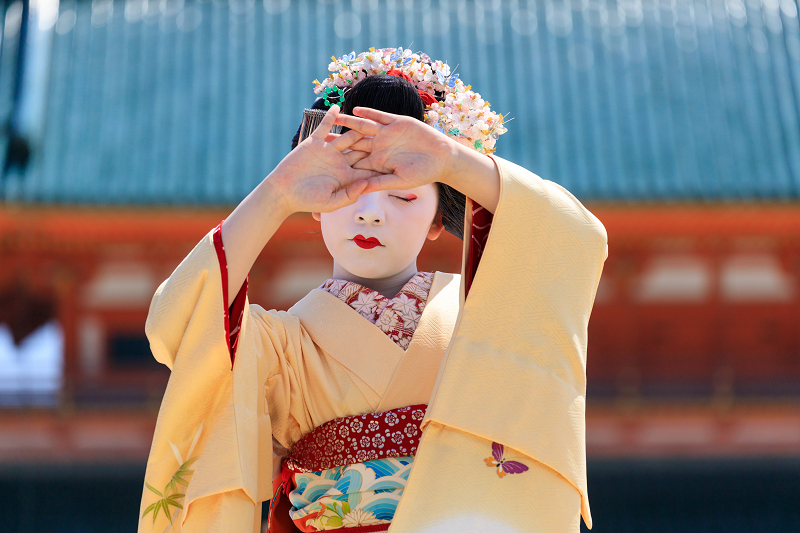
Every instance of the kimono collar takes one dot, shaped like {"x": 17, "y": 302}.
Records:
{"x": 344, "y": 334}
{"x": 397, "y": 317}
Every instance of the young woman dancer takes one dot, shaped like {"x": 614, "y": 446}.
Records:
{"x": 387, "y": 396}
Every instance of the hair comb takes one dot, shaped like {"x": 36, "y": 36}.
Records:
{"x": 312, "y": 119}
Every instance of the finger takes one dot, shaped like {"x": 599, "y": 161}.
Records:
{"x": 364, "y": 173}
{"x": 365, "y": 164}
{"x": 381, "y": 117}
{"x": 347, "y": 196}
{"x": 371, "y": 164}
{"x": 325, "y": 126}
{"x": 354, "y": 157}
{"x": 367, "y": 127}
{"x": 383, "y": 182}
{"x": 345, "y": 141}
{"x": 332, "y": 137}
{"x": 364, "y": 144}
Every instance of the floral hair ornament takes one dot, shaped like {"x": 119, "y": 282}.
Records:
{"x": 450, "y": 106}
{"x": 427, "y": 99}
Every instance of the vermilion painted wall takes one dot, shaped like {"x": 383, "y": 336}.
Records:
{"x": 638, "y": 346}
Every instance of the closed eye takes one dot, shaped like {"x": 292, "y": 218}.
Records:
{"x": 407, "y": 200}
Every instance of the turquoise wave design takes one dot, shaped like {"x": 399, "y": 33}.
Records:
{"x": 385, "y": 467}
{"x": 351, "y": 481}
{"x": 311, "y": 494}
{"x": 302, "y": 483}
{"x": 387, "y": 484}
{"x": 382, "y": 508}
{"x": 375, "y": 486}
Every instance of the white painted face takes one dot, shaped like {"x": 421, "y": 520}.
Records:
{"x": 399, "y": 221}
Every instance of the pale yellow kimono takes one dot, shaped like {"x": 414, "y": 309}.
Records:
{"x": 510, "y": 361}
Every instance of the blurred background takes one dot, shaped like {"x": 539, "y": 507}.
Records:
{"x": 130, "y": 128}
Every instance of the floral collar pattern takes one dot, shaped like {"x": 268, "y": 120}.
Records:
{"x": 398, "y": 317}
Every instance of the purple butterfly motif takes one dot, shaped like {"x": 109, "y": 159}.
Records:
{"x": 504, "y": 466}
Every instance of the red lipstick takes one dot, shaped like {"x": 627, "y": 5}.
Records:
{"x": 368, "y": 244}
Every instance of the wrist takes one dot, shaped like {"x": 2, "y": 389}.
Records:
{"x": 275, "y": 196}
{"x": 474, "y": 174}
{"x": 464, "y": 166}
{"x": 454, "y": 158}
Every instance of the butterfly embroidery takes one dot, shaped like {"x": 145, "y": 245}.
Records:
{"x": 504, "y": 466}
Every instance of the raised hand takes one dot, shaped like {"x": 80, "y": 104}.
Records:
{"x": 405, "y": 152}
{"x": 319, "y": 174}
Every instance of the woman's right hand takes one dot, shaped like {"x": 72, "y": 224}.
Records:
{"x": 317, "y": 176}
{"x": 314, "y": 177}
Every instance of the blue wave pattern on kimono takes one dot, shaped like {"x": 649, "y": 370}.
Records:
{"x": 361, "y": 494}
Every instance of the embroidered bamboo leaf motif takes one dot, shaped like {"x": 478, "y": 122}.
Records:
{"x": 166, "y": 510}
{"x": 150, "y": 508}
{"x": 172, "y": 494}
{"x": 177, "y": 477}
{"x": 173, "y": 498}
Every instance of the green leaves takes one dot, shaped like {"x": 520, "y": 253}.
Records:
{"x": 177, "y": 477}
{"x": 172, "y": 500}
{"x": 335, "y": 522}
{"x": 164, "y": 503}
{"x": 150, "y": 508}
{"x": 170, "y": 497}
{"x": 188, "y": 463}
{"x": 154, "y": 490}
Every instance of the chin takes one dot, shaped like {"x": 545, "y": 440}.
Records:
{"x": 367, "y": 271}
{"x": 368, "y": 268}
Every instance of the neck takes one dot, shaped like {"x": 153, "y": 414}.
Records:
{"x": 389, "y": 286}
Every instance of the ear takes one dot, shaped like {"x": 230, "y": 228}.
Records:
{"x": 317, "y": 217}
{"x": 436, "y": 228}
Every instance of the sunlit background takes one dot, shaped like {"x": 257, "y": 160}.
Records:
{"x": 130, "y": 128}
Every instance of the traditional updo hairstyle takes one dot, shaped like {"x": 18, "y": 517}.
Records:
{"x": 398, "y": 96}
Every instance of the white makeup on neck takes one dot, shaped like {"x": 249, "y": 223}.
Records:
{"x": 376, "y": 240}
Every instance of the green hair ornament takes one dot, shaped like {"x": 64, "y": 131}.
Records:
{"x": 331, "y": 92}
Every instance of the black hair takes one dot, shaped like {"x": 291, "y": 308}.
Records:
{"x": 398, "y": 96}
{"x": 391, "y": 94}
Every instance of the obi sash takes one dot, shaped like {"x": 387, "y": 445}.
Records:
{"x": 338, "y": 444}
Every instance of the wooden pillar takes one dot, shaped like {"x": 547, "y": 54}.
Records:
{"x": 66, "y": 288}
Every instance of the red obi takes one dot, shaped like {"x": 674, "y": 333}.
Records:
{"x": 346, "y": 441}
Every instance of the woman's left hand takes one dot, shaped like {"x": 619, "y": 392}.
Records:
{"x": 408, "y": 153}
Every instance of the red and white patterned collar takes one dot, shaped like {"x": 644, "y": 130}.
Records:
{"x": 398, "y": 317}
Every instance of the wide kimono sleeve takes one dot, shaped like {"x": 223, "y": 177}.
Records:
{"x": 210, "y": 464}
{"x": 504, "y": 441}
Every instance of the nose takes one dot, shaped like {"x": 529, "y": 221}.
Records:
{"x": 369, "y": 209}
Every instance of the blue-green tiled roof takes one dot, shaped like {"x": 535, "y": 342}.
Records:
{"x": 177, "y": 102}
